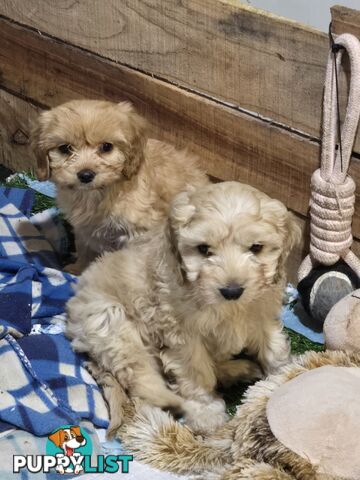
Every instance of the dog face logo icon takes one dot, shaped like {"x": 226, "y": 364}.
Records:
{"x": 69, "y": 449}
{"x": 68, "y": 440}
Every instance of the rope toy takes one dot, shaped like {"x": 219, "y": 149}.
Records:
{"x": 332, "y": 189}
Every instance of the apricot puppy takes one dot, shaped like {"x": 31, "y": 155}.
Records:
{"x": 181, "y": 303}
{"x": 113, "y": 183}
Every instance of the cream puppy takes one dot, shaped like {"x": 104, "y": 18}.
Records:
{"x": 167, "y": 315}
{"x": 112, "y": 182}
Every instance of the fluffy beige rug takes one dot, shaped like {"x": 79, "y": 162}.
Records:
{"x": 246, "y": 447}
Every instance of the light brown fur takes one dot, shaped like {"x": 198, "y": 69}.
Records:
{"x": 244, "y": 448}
{"x": 134, "y": 182}
{"x": 155, "y": 309}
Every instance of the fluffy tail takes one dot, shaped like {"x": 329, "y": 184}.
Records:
{"x": 157, "y": 439}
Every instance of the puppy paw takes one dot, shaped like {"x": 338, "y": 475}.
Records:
{"x": 204, "y": 419}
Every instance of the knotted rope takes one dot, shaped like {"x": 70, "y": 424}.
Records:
{"x": 332, "y": 189}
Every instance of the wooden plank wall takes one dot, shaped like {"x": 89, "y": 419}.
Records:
{"x": 15, "y": 117}
{"x": 239, "y": 87}
{"x": 261, "y": 63}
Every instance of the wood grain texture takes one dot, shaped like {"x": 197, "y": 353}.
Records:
{"x": 345, "y": 20}
{"x": 231, "y": 145}
{"x": 16, "y": 116}
{"x": 240, "y": 55}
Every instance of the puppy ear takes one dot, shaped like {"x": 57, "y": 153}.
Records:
{"x": 56, "y": 438}
{"x": 40, "y": 151}
{"x": 276, "y": 213}
{"x": 182, "y": 210}
{"x": 292, "y": 236}
{"x": 293, "y": 233}
{"x": 138, "y": 130}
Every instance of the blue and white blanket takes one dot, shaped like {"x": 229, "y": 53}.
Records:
{"x": 43, "y": 383}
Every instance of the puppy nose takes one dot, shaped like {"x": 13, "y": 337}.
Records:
{"x": 80, "y": 438}
{"x": 86, "y": 176}
{"x": 232, "y": 291}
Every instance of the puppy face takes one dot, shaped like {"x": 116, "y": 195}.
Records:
{"x": 89, "y": 144}
{"x": 232, "y": 240}
{"x": 68, "y": 439}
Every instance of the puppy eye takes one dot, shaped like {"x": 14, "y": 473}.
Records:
{"x": 65, "y": 149}
{"x": 256, "y": 248}
{"x": 204, "y": 249}
{"x": 106, "y": 147}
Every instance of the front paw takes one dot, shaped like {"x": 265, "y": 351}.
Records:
{"x": 205, "y": 419}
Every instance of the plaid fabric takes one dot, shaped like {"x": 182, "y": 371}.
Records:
{"x": 43, "y": 384}
{"x": 23, "y": 199}
{"x": 31, "y": 286}
{"x": 20, "y": 241}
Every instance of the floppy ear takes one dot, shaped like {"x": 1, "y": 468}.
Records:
{"x": 76, "y": 430}
{"x": 293, "y": 233}
{"x": 276, "y": 213}
{"x": 182, "y": 210}
{"x": 41, "y": 154}
{"x": 57, "y": 437}
{"x": 135, "y": 152}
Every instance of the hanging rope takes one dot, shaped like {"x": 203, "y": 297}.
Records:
{"x": 332, "y": 189}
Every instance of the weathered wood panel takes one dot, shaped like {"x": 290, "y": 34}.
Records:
{"x": 264, "y": 153}
{"x": 345, "y": 20}
{"x": 235, "y": 53}
{"x": 15, "y": 117}
{"x": 231, "y": 145}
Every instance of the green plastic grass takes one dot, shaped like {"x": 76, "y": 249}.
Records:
{"x": 42, "y": 202}
{"x": 300, "y": 344}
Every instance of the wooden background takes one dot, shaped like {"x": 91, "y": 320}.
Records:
{"x": 241, "y": 88}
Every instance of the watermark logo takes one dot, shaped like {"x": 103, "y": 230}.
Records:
{"x": 69, "y": 450}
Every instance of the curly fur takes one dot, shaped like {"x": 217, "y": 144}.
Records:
{"x": 244, "y": 448}
{"x": 154, "y": 317}
{"x": 134, "y": 182}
